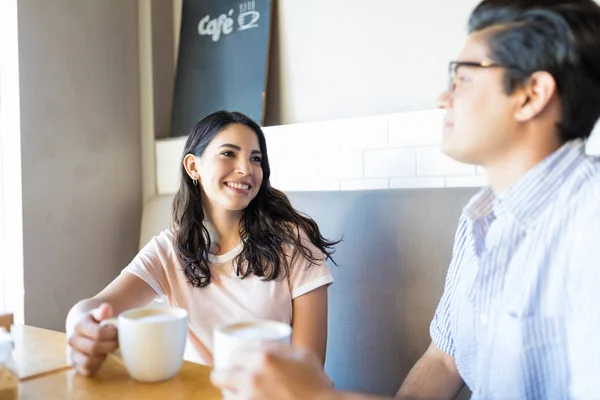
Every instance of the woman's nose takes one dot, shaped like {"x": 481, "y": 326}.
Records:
{"x": 244, "y": 167}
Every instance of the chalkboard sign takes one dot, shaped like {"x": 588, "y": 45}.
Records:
{"x": 222, "y": 61}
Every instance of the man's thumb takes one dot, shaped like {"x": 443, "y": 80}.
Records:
{"x": 103, "y": 312}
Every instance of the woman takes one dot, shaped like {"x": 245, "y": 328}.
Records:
{"x": 237, "y": 250}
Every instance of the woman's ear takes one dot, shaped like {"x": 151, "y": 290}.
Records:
{"x": 191, "y": 163}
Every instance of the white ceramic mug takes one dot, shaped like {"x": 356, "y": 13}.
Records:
{"x": 152, "y": 341}
{"x": 228, "y": 339}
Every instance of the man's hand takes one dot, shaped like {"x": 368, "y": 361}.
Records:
{"x": 275, "y": 371}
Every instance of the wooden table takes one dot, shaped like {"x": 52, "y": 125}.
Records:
{"x": 47, "y": 377}
{"x": 38, "y": 351}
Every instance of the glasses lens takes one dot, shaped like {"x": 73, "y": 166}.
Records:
{"x": 451, "y": 76}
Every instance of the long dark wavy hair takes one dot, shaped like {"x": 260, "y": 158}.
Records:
{"x": 269, "y": 224}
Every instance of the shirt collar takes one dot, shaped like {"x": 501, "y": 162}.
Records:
{"x": 529, "y": 196}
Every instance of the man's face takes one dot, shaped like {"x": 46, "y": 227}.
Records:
{"x": 480, "y": 124}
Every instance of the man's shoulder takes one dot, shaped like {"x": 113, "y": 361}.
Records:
{"x": 582, "y": 220}
{"x": 582, "y": 192}
{"x": 479, "y": 205}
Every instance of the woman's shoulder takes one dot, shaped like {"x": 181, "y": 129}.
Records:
{"x": 294, "y": 233}
{"x": 163, "y": 242}
{"x": 167, "y": 236}
{"x": 301, "y": 237}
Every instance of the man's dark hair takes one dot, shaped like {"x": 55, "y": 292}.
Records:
{"x": 560, "y": 37}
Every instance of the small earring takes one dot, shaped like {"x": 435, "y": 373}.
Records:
{"x": 195, "y": 182}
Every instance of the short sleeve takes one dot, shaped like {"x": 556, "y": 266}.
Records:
{"x": 440, "y": 328}
{"x": 304, "y": 277}
{"x": 150, "y": 263}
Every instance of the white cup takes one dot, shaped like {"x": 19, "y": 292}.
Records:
{"x": 152, "y": 341}
{"x": 229, "y": 339}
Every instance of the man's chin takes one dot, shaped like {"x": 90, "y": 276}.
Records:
{"x": 456, "y": 152}
{"x": 448, "y": 148}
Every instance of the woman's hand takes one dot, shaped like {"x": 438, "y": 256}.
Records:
{"x": 89, "y": 342}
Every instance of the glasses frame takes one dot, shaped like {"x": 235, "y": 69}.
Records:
{"x": 454, "y": 65}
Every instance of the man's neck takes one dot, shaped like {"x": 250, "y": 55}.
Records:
{"x": 508, "y": 170}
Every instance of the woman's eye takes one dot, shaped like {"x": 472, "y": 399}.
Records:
{"x": 227, "y": 153}
{"x": 257, "y": 159}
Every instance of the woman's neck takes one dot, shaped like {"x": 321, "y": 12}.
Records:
{"x": 224, "y": 229}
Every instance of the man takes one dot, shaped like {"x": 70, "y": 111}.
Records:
{"x": 520, "y": 313}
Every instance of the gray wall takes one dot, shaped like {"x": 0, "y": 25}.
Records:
{"x": 392, "y": 265}
{"x": 81, "y": 159}
{"x": 163, "y": 65}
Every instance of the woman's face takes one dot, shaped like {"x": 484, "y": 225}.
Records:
{"x": 229, "y": 171}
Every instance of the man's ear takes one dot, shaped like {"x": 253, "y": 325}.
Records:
{"x": 534, "y": 95}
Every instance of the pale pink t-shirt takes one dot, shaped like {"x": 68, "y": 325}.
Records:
{"x": 227, "y": 298}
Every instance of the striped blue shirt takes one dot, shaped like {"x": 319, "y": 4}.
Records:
{"x": 520, "y": 312}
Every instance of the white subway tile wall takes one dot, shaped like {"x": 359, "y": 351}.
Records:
{"x": 466, "y": 181}
{"x": 387, "y": 163}
{"x": 364, "y": 184}
{"x": 378, "y": 152}
{"x": 413, "y": 129}
{"x": 363, "y": 134}
{"x": 432, "y": 162}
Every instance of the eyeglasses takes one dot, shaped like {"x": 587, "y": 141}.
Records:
{"x": 453, "y": 66}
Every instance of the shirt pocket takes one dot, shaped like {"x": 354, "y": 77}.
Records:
{"x": 528, "y": 358}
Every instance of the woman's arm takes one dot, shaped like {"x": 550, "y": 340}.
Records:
{"x": 89, "y": 342}
{"x": 309, "y": 321}
{"x": 126, "y": 291}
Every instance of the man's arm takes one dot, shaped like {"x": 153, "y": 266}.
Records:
{"x": 582, "y": 317}
{"x": 279, "y": 371}
{"x": 282, "y": 372}
{"x": 434, "y": 376}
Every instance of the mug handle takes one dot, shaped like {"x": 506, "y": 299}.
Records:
{"x": 114, "y": 322}
{"x": 110, "y": 321}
